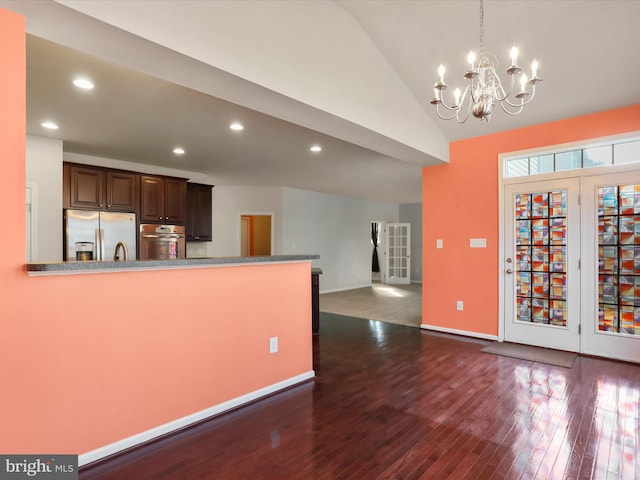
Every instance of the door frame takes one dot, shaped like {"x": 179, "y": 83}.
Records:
{"x": 381, "y": 248}
{"x": 31, "y": 211}
{"x": 239, "y": 229}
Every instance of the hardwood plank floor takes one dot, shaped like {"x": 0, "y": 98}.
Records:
{"x": 395, "y": 402}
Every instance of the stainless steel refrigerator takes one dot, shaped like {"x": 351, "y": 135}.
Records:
{"x": 93, "y": 235}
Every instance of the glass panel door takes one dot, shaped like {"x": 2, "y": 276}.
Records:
{"x": 398, "y": 249}
{"x": 611, "y": 276}
{"x": 542, "y": 243}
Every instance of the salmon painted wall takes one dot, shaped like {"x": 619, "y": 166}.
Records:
{"x": 87, "y": 360}
{"x": 460, "y": 201}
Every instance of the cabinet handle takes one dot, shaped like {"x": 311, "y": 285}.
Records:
{"x": 166, "y": 218}
{"x": 159, "y": 218}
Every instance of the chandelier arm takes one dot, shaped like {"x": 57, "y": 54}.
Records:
{"x": 500, "y": 90}
{"x": 523, "y": 102}
{"x": 454, "y": 107}
{"x": 470, "y": 89}
{"x": 467, "y": 91}
{"x": 504, "y": 108}
{"x": 442, "y": 102}
{"x": 443, "y": 117}
{"x": 459, "y": 120}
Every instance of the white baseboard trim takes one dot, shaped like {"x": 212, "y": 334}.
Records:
{"x": 455, "y": 331}
{"x": 140, "y": 438}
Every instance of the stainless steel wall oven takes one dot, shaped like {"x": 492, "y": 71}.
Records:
{"x": 162, "y": 242}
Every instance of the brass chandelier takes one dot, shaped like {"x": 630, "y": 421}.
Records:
{"x": 485, "y": 89}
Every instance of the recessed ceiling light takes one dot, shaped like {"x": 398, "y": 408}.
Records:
{"x": 236, "y": 126}
{"x": 178, "y": 151}
{"x": 316, "y": 148}
{"x": 49, "y": 125}
{"x": 83, "y": 83}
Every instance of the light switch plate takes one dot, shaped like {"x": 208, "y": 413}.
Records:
{"x": 439, "y": 243}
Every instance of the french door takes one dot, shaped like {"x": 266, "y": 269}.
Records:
{"x": 398, "y": 249}
{"x": 541, "y": 264}
{"x": 572, "y": 264}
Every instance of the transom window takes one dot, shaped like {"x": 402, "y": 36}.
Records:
{"x": 624, "y": 151}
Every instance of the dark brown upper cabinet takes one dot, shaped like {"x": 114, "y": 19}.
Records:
{"x": 97, "y": 188}
{"x": 163, "y": 199}
{"x": 198, "y": 226}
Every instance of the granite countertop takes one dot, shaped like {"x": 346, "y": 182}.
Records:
{"x": 56, "y": 268}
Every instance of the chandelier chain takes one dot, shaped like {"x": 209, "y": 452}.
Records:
{"x": 481, "y": 27}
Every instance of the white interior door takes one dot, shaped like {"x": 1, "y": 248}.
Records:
{"x": 611, "y": 265}
{"x": 398, "y": 249}
{"x": 541, "y": 264}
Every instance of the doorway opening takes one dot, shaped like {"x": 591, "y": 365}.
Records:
{"x": 255, "y": 235}
{"x": 377, "y": 252}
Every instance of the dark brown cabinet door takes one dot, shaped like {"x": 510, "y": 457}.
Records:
{"x": 198, "y": 227}
{"x": 122, "y": 191}
{"x": 175, "y": 198}
{"x": 162, "y": 200}
{"x": 151, "y": 199}
{"x": 87, "y": 187}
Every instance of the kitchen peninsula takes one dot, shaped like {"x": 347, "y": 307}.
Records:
{"x": 61, "y": 268}
{"x": 158, "y": 345}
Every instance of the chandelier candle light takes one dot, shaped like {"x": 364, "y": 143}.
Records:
{"x": 485, "y": 89}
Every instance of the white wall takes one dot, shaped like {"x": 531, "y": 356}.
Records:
{"x": 229, "y": 203}
{"x": 338, "y": 229}
{"x": 44, "y": 169}
{"x": 412, "y": 213}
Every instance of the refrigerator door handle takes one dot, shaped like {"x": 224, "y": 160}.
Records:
{"x": 97, "y": 243}
{"x": 100, "y": 244}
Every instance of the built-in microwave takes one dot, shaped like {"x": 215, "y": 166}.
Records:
{"x": 162, "y": 242}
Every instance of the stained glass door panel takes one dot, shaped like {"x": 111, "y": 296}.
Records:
{"x": 611, "y": 278}
{"x": 541, "y": 251}
{"x": 619, "y": 259}
{"x": 541, "y": 227}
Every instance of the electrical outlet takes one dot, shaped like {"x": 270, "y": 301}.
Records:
{"x": 273, "y": 345}
{"x": 459, "y": 305}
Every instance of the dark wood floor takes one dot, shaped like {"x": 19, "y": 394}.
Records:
{"x": 394, "y": 402}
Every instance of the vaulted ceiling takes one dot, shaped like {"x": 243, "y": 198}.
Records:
{"x": 352, "y": 76}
